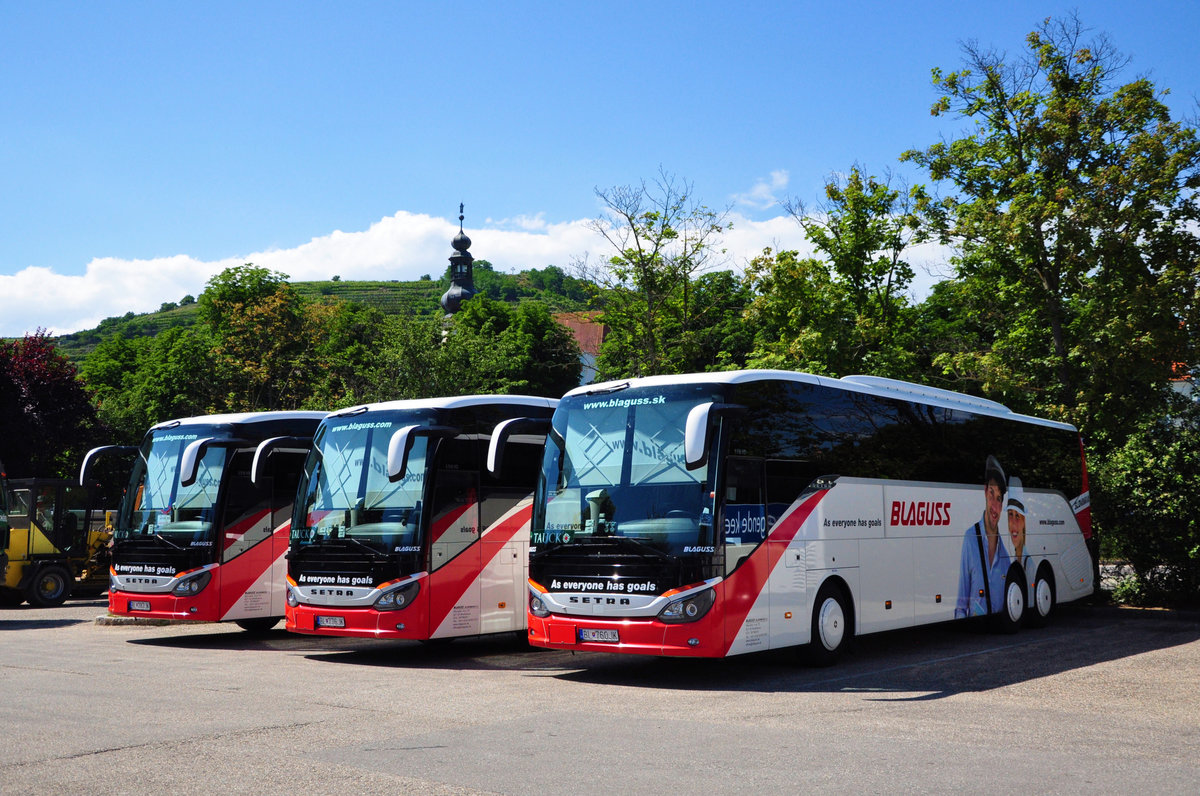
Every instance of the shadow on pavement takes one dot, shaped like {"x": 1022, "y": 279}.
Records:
{"x": 37, "y": 624}
{"x": 925, "y": 663}
{"x": 916, "y": 664}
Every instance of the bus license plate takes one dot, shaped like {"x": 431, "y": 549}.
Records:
{"x": 599, "y": 634}
{"x": 139, "y": 605}
{"x": 331, "y": 621}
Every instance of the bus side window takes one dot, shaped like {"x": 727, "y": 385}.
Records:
{"x": 454, "y": 519}
{"x": 516, "y": 480}
{"x": 243, "y": 527}
{"x": 785, "y": 481}
{"x": 744, "y": 517}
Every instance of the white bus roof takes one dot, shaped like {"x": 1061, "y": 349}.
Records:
{"x": 241, "y": 417}
{"x": 871, "y": 385}
{"x": 450, "y": 402}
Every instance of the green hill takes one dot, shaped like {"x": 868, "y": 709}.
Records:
{"x": 550, "y": 285}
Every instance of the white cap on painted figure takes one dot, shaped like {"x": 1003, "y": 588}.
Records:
{"x": 1016, "y": 496}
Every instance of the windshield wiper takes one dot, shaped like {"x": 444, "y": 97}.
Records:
{"x": 630, "y": 544}
{"x": 168, "y": 542}
{"x": 643, "y": 549}
{"x": 374, "y": 552}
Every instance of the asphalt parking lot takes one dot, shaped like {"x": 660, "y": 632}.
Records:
{"x": 1103, "y": 700}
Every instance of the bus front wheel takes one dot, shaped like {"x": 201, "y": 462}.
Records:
{"x": 832, "y": 626}
{"x": 259, "y": 624}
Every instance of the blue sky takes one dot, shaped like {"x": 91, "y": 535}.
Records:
{"x": 144, "y": 146}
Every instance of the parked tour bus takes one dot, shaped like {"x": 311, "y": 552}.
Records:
{"x": 723, "y": 513}
{"x": 402, "y": 528}
{"x": 203, "y": 526}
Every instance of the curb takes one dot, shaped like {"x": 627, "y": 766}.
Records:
{"x": 127, "y": 621}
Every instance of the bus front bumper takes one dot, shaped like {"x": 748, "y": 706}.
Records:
{"x": 202, "y": 607}
{"x": 331, "y": 620}
{"x": 702, "y": 639}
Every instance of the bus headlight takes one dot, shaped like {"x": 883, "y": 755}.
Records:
{"x": 688, "y": 609}
{"x": 399, "y": 597}
{"x": 537, "y": 607}
{"x": 293, "y": 601}
{"x": 192, "y": 585}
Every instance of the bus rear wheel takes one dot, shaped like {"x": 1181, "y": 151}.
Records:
{"x": 832, "y": 626}
{"x": 50, "y": 587}
{"x": 1043, "y": 598}
{"x": 1012, "y": 610}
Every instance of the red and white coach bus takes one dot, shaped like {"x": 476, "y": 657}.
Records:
{"x": 202, "y": 530}
{"x": 403, "y": 530}
{"x": 723, "y": 513}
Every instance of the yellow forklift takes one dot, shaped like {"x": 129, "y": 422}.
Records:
{"x": 56, "y": 543}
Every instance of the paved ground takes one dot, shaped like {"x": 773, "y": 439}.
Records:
{"x": 1104, "y": 700}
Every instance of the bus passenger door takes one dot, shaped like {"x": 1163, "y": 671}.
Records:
{"x": 244, "y": 535}
{"x": 454, "y": 555}
{"x": 748, "y": 561}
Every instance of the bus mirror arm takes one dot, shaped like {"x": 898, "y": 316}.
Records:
{"x": 505, "y": 429}
{"x": 269, "y": 446}
{"x": 90, "y": 457}
{"x": 401, "y": 444}
{"x": 697, "y": 435}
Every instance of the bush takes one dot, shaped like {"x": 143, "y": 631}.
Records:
{"x": 1148, "y": 506}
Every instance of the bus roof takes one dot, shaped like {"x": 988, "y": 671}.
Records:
{"x": 240, "y": 418}
{"x": 872, "y": 385}
{"x": 450, "y": 402}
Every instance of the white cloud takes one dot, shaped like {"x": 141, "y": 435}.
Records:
{"x": 403, "y": 247}
{"x": 764, "y": 194}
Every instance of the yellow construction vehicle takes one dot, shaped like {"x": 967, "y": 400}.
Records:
{"x": 3, "y": 522}
{"x": 56, "y": 543}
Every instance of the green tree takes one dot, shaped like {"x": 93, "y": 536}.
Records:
{"x": 138, "y": 383}
{"x": 489, "y": 347}
{"x": 663, "y": 240}
{"x": 798, "y": 312}
{"x": 234, "y": 289}
{"x": 262, "y": 351}
{"x": 848, "y": 312}
{"x": 344, "y": 338}
{"x": 1074, "y": 203}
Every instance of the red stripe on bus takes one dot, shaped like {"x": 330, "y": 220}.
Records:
{"x": 743, "y": 587}
{"x": 448, "y": 584}
{"x": 239, "y": 574}
{"x": 443, "y": 523}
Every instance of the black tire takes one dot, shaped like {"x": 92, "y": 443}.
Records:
{"x": 10, "y": 598}
{"x": 439, "y": 642}
{"x": 50, "y": 587}
{"x": 832, "y": 626}
{"x": 1012, "y": 608}
{"x": 1044, "y": 599}
{"x": 258, "y": 624}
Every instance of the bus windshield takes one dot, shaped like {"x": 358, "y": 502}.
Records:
{"x": 614, "y": 468}
{"x": 346, "y": 491}
{"x": 157, "y": 505}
